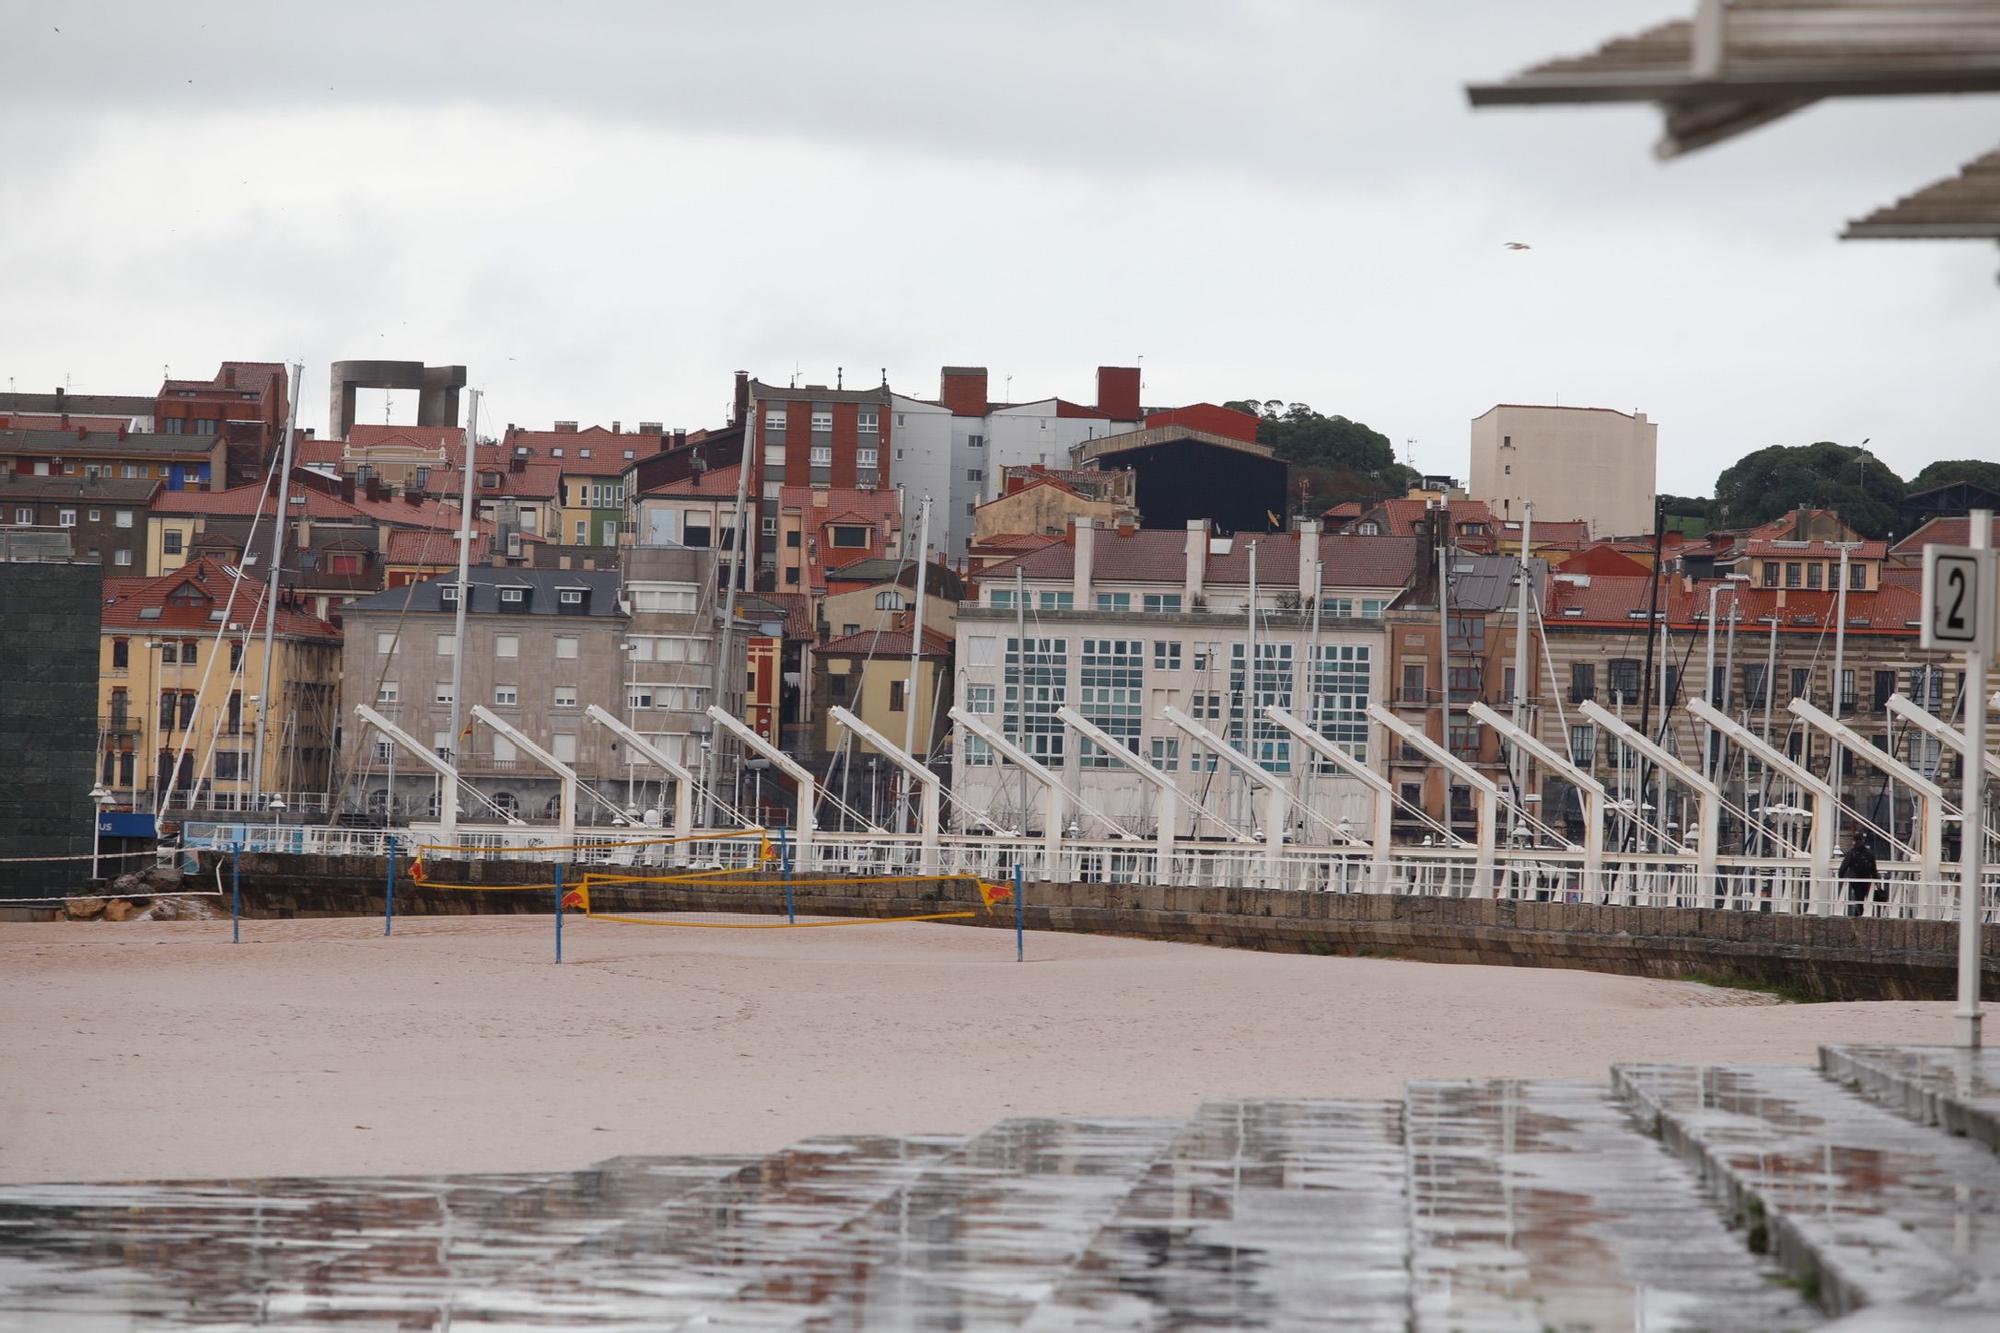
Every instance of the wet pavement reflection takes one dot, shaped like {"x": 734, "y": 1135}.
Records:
{"x": 1676, "y": 1198}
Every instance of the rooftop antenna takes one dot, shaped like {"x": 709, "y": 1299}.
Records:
{"x": 885, "y": 377}
{"x": 840, "y": 382}
{"x": 795, "y": 374}
{"x": 1010, "y": 388}
{"x": 1410, "y": 454}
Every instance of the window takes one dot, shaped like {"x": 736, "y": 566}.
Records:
{"x": 1802, "y": 683}
{"x": 582, "y": 532}
{"x": 121, "y": 557}
{"x": 768, "y": 526}
{"x": 448, "y": 594}
{"x": 975, "y": 474}
{"x": 792, "y": 539}
{"x": 979, "y": 699}
{"x": 566, "y": 645}
{"x": 1622, "y": 678}
{"x": 1114, "y": 601}
{"x": 1112, "y": 681}
{"x": 849, "y": 537}
{"x": 1205, "y": 705}
{"x": 1465, "y": 739}
{"x": 1373, "y": 607}
{"x": 1582, "y": 682}
{"x": 821, "y": 455}
{"x": 1339, "y": 686}
{"x": 1413, "y": 683}
{"x": 385, "y": 641}
{"x": 850, "y": 627}
{"x": 639, "y": 696}
{"x": 1885, "y": 685}
{"x": 1166, "y": 655}
{"x": 565, "y": 696}
{"x": 66, "y": 518}
{"x": 505, "y": 696}
{"x": 384, "y": 751}
{"x": 24, "y": 515}
{"x": 1001, "y": 599}
{"x": 1036, "y": 684}
{"x": 513, "y": 597}
{"x": 1370, "y": 528}
{"x": 1582, "y": 744}
{"x": 570, "y": 597}
{"x": 170, "y": 542}
{"x": 447, "y": 645}
{"x": 236, "y": 655}
{"x": 975, "y": 441}
{"x": 1813, "y": 574}
{"x": 1161, "y": 602}
{"x": 1770, "y": 573}
{"x": 96, "y": 515}
{"x": 386, "y": 692}
{"x": 1793, "y": 570}
{"x": 122, "y": 518}
{"x": 563, "y": 747}
{"x": 1857, "y": 577}
{"x": 822, "y": 421}
{"x": 131, "y": 471}
{"x": 774, "y": 421}
{"x": 896, "y": 691}
{"x": 1269, "y": 685}
{"x": 867, "y": 421}
{"x": 442, "y": 693}
{"x": 1165, "y": 753}
{"x": 978, "y": 754}
{"x": 189, "y": 649}
{"x": 1753, "y": 685}
{"x": 1058, "y": 601}
{"x": 1847, "y": 690}
{"x": 121, "y": 654}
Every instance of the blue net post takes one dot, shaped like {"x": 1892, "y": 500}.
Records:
{"x": 389, "y": 894}
{"x": 1020, "y": 939}
{"x": 785, "y": 873}
{"x": 559, "y": 912}
{"x": 236, "y": 892}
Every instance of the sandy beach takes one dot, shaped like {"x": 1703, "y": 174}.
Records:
{"x": 161, "y": 1050}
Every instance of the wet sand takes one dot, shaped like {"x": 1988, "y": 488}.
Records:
{"x": 159, "y": 1050}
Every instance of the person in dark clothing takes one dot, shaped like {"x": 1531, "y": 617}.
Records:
{"x": 1857, "y": 870}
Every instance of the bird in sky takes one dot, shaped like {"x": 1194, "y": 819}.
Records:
{"x": 1518, "y": 245}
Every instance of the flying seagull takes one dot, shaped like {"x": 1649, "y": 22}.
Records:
{"x": 1518, "y": 245}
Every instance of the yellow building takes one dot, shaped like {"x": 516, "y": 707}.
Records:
{"x": 181, "y": 668}
{"x": 869, "y": 675}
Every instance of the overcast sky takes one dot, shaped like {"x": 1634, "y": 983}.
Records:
{"x": 603, "y": 209}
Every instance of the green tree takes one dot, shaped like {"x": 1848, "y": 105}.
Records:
{"x": 1947, "y": 470}
{"x": 1336, "y": 459}
{"x": 1847, "y": 479}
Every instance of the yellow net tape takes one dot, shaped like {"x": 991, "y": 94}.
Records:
{"x": 579, "y": 897}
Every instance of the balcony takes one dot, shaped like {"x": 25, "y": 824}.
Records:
{"x": 121, "y": 724}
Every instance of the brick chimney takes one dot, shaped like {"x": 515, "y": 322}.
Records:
{"x": 1197, "y": 559}
{"x": 62, "y": 404}
{"x": 229, "y": 377}
{"x": 742, "y": 398}
{"x": 1084, "y": 568}
{"x": 962, "y": 389}
{"x": 1118, "y": 392}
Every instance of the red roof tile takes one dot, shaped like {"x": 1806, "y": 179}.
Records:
{"x": 1159, "y": 556}
{"x": 889, "y": 643}
{"x": 1621, "y": 600}
{"x": 126, "y": 598}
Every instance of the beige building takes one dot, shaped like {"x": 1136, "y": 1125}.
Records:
{"x": 1568, "y": 462}
{"x": 869, "y": 675}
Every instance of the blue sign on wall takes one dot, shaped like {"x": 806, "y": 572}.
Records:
{"x": 119, "y": 824}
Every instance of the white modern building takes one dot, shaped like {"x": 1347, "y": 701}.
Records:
{"x": 1593, "y": 463}
{"x": 1123, "y": 625}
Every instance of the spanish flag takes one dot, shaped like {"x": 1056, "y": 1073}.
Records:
{"x": 417, "y": 875}
{"x": 766, "y": 852}
{"x": 578, "y": 898}
{"x": 991, "y": 892}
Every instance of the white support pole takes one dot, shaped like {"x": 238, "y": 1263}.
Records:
{"x": 1708, "y": 844}
{"x": 682, "y": 776}
{"x": 1167, "y": 794}
{"x": 1485, "y": 789}
{"x": 1972, "y": 832}
{"x": 1053, "y": 791}
{"x": 1586, "y": 784}
{"x": 1276, "y": 795}
{"x": 1383, "y": 815}
{"x": 1939, "y": 730}
{"x": 920, "y": 773}
{"x": 448, "y": 796}
{"x": 802, "y": 817}
{"x": 566, "y": 802}
{"x": 1930, "y": 796}
{"x": 1826, "y": 810}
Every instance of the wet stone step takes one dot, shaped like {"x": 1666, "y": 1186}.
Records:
{"x": 1954, "y": 1089}
{"x": 1866, "y": 1208}
{"x": 1265, "y": 1214}
{"x": 976, "y": 1241}
{"x": 1537, "y": 1205}
{"x": 197, "y": 1253}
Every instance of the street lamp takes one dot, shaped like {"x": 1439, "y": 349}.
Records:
{"x": 100, "y": 801}
{"x": 757, "y": 764}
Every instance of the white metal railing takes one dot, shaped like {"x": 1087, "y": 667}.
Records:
{"x": 1650, "y": 880}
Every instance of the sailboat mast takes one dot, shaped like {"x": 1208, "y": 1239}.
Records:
{"x": 271, "y": 598}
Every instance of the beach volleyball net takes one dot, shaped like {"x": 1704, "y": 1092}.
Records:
{"x": 738, "y": 880}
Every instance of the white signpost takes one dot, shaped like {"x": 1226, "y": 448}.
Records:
{"x": 1961, "y": 611}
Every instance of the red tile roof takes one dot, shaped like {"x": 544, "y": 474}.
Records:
{"x": 1159, "y": 556}
{"x": 1819, "y": 550}
{"x": 1621, "y": 600}
{"x": 716, "y": 482}
{"x": 889, "y": 643}
{"x": 450, "y": 439}
{"x": 432, "y": 546}
{"x": 866, "y": 506}
{"x": 213, "y": 579}
{"x": 1955, "y": 530}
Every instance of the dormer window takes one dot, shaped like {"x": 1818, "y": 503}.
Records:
{"x": 556, "y": 452}
{"x": 512, "y": 596}
{"x": 490, "y": 480}
{"x": 448, "y": 594}
{"x": 583, "y": 453}
{"x": 572, "y": 597}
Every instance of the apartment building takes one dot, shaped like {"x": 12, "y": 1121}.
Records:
{"x": 180, "y": 673}
{"x": 1592, "y": 463}
{"x": 540, "y": 645}
{"x": 179, "y": 462}
{"x": 1125, "y": 623}
{"x": 103, "y": 517}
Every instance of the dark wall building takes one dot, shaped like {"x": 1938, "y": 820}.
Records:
{"x": 104, "y": 517}
{"x": 48, "y": 722}
{"x": 1184, "y": 474}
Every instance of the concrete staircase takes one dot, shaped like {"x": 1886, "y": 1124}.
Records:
{"x": 1865, "y": 1194}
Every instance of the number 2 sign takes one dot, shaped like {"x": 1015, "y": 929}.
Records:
{"x": 1959, "y": 598}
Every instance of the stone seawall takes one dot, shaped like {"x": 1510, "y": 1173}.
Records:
{"x": 1826, "y": 958}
